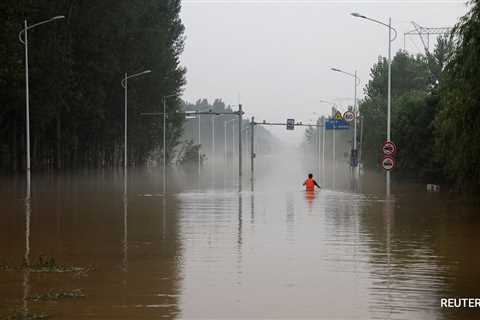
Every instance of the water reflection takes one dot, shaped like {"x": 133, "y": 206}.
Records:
{"x": 310, "y": 196}
{"x": 26, "y": 258}
{"x": 190, "y": 254}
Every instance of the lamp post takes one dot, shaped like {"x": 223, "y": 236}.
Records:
{"x": 389, "y": 95}
{"x": 199, "y": 145}
{"x": 165, "y": 142}
{"x": 357, "y": 81}
{"x": 124, "y": 84}
{"x": 24, "y": 41}
{"x": 334, "y": 107}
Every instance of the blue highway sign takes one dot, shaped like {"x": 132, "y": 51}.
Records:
{"x": 331, "y": 124}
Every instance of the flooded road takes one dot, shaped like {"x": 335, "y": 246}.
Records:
{"x": 207, "y": 251}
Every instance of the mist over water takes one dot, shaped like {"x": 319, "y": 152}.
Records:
{"x": 206, "y": 250}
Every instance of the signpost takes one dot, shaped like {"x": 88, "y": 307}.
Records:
{"x": 290, "y": 124}
{"x": 348, "y": 116}
{"x": 388, "y": 163}
{"x": 331, "y": 124}
{"x": 389, "y": 148}
{"x": 338, "y": 115}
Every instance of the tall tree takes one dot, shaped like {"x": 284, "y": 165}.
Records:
{"x": 458, "y": 123}
{"x": 76, "y": 66}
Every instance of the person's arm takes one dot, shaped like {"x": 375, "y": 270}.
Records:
{"x": 315, "y": 182}
{"x": 304, "y": 182}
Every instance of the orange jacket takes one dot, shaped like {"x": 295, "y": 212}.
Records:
{"x": 309, "y": 184}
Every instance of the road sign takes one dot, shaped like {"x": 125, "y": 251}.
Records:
{"x": 331, "y": 124}
{"x": 338, "y": 116}
{"x": 389, "y": 148}
{"x": 348, "y": 116}
{"x": 388, "y": 163}
{"x": 290, "y": 124}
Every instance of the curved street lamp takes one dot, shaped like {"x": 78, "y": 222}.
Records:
{"x": 124, "y": 84}
{"x": 389, "y": 98}
{"x": 24, "y": 41}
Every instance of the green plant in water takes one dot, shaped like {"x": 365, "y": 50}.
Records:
{"x": 48, "y": 264}
{"x": 25, "y": 315}
{"x": 55, "y": 296}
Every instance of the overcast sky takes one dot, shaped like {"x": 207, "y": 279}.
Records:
{"x": 274, "y": 57}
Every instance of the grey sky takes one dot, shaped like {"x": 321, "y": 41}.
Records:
{"x": 275, "y": 56}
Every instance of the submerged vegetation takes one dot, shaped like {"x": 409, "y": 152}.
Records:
{"x": 55, "y": 296}
{"x": 25, "y": 315}
{"x": 48, "y": 264}
{"x": 44, "y": 264}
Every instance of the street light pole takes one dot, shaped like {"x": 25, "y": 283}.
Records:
{"x": 334, "y": 109}
{"x": 124, "y": 84}
{"x": 24, "y": 41}
{"x": 125, "y": 145}
{"x": 164, "y": 170}
{"x": 389, "y": 99}
{"x": 357, "y": 81}
{"x": 389, "y": 94}
{"x": 240, "y": 116}
{"x": 199, "y": 146}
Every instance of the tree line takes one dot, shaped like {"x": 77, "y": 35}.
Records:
{"x": 435, "y": 103}
{"x": 76, "y": 66}
{"x": 212, "y": 132}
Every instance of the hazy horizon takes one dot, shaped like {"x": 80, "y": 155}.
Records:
{"x": 274, "y": 57}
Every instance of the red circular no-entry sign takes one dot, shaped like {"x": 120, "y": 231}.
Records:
{"x": 389, "y": 148}
{"x": 388, "y": 163}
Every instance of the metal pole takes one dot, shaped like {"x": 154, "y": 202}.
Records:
{"x": 213, "y": 141}
{"x": 240, "y": 147}
{"x": 355, "y": 169}
{"x": 323, "y": 148}
{"x": 199, "y": 144}
{"x": 125, "y": 136}
{"x": 355, "y": 114}
{"x": 233, "y": 149}
{"x": 252, "y": 150}
{"x": 164, "y": 146}
{"x": 317, "y": 165}
{"x": 333, "y": 165}
{"x": 361, "y": 144}
{"x": 27, "y": 99}
{"x": 389, "y": 95}
{"x": 225, "y": 143}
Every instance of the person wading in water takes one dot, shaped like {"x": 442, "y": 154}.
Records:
{"x": 310, "y": 183}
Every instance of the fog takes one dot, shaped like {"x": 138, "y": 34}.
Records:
{"x": 274, "y": 57}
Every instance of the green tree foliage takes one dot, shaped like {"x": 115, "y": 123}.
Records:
{"x": 415, "y": 100}
{"x": 457, "y": 127}
{"x": 76, "y": 66}
{"x": 264, "y": 140}
{"x": 189, "y": 155}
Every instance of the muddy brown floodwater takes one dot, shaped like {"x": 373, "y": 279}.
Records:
{"x": 207, "y": 251}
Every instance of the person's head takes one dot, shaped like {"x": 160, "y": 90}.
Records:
{"x": 310, "y": 176}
